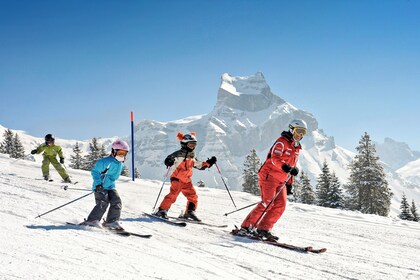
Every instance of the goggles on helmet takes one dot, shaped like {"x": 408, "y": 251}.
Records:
{"x": 121, "y": 153}
{"x": 299, "y": 130}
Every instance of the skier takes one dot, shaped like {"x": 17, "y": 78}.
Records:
{"x": 105, "y": 172}
{"x": 183, "y": 162}
{"x": 50, "y": 156}
{"x": 281, "y": 160}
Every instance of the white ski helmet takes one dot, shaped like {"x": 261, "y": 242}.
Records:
{"x": 298, "y": 124}
{"x": 120, "y": 145}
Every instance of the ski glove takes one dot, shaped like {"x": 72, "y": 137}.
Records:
{"x": 286, "y": 168}
{"x": 211, "y": 161}
{"x": 33, "y": 152}
{"x": 62, "y": 160}
{"x": 99, "y": 188}
{"x": 169, "y": 161}
{"x": 294, "y": 171}
{"x": 289, "y": 189}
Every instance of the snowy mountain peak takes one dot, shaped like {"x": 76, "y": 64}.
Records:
{"x": 249, "y": 93}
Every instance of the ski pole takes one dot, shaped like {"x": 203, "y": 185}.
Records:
{"x": 274, "y": 198}
{"x": 241, "y": 208}
{"x": 164, "y": 181}
{"x": 64, "y": 204}
{"x": 103, "y": 180}
{"x": 77, "y": 189}
{"x": 225, "y": 185}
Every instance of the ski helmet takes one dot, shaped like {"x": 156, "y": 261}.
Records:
{"x": 185, "y": 139}
{"x": 120, "y": 145}
{"x": 296, "y": 124}
{"x": 49, "y": 138}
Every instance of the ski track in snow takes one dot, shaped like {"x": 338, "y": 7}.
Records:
{"x": 358, "y": 246}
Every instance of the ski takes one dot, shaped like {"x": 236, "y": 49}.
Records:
{"x": 302, "y": 249}
{"x": 117, "y": 231}
{"x": 170, "y": 222}
{"x": 197, "y": 222}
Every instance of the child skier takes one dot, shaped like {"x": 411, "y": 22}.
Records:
{"x": 183, "y": 162}
{"x": 50, "y": 156}
{"x": 105, "y": 172}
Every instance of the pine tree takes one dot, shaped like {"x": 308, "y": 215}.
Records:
{"x": 296, "y": 189}
{"x": 125, "y": 172}
{"x": 7, "y": 146}
{"x": 323, "y": 186}
{"x": 18, "y": 150}
{"x": 95, "y": 153}
{"x": 368, "y": 188}
{"x": 251, "y": 166}
{"x": 335, "y": 194}
{"x": 136, "y": 173}
{"x": 405, "y": 209}
{"x": 306, "y": 193}
{"x": 414, "y": 213}
{"x": 76, "y": 159}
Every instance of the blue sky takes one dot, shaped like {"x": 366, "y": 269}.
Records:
{"x": 77, "y": 68}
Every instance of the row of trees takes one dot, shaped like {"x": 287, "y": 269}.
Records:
{"x": 408, "y": 213}
{"x": 96, "y": 152}
{"x": 12, "y": 145}
{"x": 367, "y": 190}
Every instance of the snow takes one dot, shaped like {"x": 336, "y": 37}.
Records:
{"x": 359, "y": 246}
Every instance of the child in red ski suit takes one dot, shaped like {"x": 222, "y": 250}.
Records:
{"x": 182, "y": 162}
{"x": 275, "y": 177}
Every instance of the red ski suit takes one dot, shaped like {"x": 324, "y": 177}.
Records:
{"x": 181, "y": 179}
{"x": 271, "y": 178}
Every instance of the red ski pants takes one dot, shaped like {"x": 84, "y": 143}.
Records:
{"x": 187, "y": 190}
{"x": 269, "y": 187}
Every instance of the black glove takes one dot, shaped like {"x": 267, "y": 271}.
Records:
{"x": 211, "y": 161}
{"x": 169, "y": 161}
{"x": 62, "y": 160}
{"x": 286, "y": 168}
{"x": 33, "y": 152}
{"x": 99, "y": 188}
{"x": 294, "y": 171}
{"x": 289, "y": 189}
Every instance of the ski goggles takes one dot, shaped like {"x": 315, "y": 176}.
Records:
{"x": 191, "y": 144}
{"x": 121, "y": 153}
{"x": 300, "y": 131}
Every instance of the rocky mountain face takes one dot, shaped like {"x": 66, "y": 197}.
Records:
{"x": 247, "y": 115}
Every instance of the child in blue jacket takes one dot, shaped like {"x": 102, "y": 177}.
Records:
{"x": 105, "y": 172}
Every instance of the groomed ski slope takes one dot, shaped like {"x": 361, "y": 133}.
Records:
{"x": 359, "y": 246}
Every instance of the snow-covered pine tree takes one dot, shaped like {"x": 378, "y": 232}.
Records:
{"x": 76, "y": 160}
{"x": 95, "y": 153}
{"x": 18, "y": 150}
{"x": 102, "y": 152}
{"x": 368, "y": 188}
{"x": 307, "y": 194}
{"x": 125, "y": 172}
{"x": 296, "y": 189}
{"x": 335, "y": 194}
{"x": 7, "y": 146}
{"x": 323, "y": 186}
{"x": 136, "y": 173}
{"x": 251, "y": 166}
{"x": 405, "y": 209}
{"x": 414, "y": 213}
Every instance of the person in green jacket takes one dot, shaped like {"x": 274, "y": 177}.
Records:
{"x": 50, "y": 156}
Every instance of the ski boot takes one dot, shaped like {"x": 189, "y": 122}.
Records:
{"x": 162, "y": 214}
{"x": 115, "y": 225}
{"x": 266, "y": 235}
{"x": 190, "y": 215}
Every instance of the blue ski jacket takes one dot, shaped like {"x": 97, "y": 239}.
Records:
{"x": 108, "y": 168}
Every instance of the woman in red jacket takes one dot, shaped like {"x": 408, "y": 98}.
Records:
{"x": 276, "y": 173}
{"x": 182, "y": 163}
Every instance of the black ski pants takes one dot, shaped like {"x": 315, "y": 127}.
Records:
{"x": 103, "y": 199}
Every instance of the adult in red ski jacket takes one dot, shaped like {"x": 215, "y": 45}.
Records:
{"x": 182, "y": 163}
{"x": 275, "y": 177}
